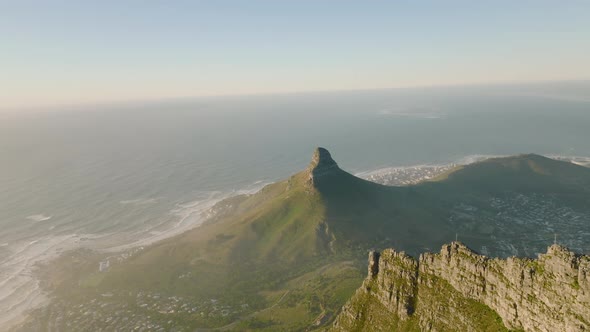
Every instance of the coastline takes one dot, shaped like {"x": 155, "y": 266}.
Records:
{"x": 21, "y": 290}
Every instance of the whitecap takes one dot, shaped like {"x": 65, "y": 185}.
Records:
{"x": 139, "y": 201}
{"x": 19, "y": 289}
{"x": 39, "y": 217}
{"x": 578, "y": 160}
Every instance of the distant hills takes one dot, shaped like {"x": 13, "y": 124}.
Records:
{"x": 289, "y": 256}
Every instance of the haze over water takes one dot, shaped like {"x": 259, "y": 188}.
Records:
{"x": 127, "y": 167}
{"x": 133, "y": 171}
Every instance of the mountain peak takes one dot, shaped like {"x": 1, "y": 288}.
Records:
{"x": 322, "y": 158}
{"x": 321, "y": 164}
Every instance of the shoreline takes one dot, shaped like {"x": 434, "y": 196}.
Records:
{"x": 21, "y": 292}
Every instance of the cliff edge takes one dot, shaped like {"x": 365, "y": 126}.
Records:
{"x": 459, "y": 290}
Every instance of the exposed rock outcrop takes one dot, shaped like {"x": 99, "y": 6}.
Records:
{"x": 321, "y": 165}
{"x": 397, "y": 277}
{"x": 458, "y": 289}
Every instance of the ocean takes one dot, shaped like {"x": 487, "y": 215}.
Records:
{"x": 113, "y": 176}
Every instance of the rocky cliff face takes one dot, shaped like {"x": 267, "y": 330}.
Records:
{"x": 321, "y": 165}
{"x": 460, "y": 290}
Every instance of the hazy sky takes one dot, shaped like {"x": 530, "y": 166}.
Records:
{"x": 56, "y": 52}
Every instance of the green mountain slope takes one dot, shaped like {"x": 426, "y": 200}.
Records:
{"x": 525, "y": 173}
{"x": 289, "y": 256}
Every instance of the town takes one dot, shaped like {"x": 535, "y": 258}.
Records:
{"x": 141, "y": 311}
{"x": 404, "y": 176}
{"x": 522, "y": 225}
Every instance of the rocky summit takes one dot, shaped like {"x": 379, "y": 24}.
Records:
{"x": 321, "y": 165}
{"x": 459, "y": 290}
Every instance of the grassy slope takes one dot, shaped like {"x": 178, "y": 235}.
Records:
{"x": 365, "y": 214}
{"x": 438, "y": 306}
{"x": 275, "y": 231}
{"x": 523, "y": 173}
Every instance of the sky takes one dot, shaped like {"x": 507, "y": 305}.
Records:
{"x": 77, "y": 52}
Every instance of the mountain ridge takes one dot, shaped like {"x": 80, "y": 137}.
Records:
{"x": 551, "y": 293}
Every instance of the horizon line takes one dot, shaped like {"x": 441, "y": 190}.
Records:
{"x": 164, "y": 99}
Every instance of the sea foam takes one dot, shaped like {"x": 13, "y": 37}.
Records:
{"x": 39, "y": 217}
